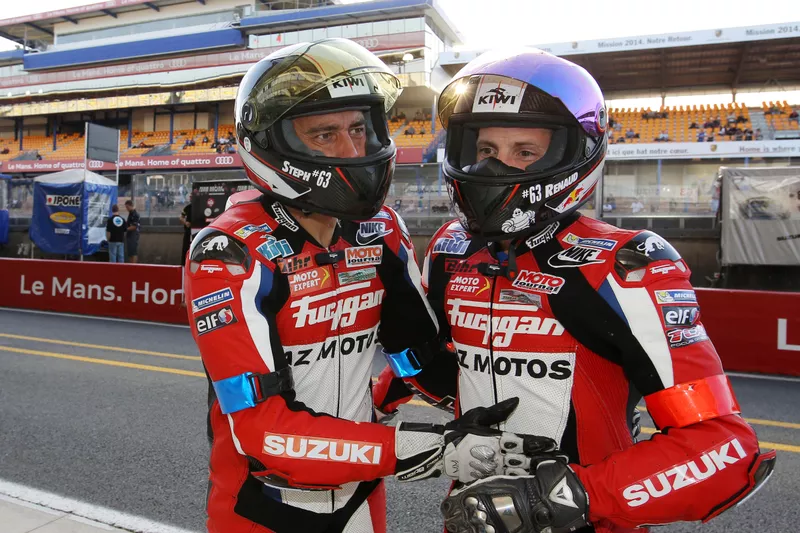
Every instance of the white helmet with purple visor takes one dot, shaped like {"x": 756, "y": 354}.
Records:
{"x": 526, "y": 141}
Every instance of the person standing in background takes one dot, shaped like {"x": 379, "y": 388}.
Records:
{"x": 132, "y": 237}
{"x": 115, "y": 235}
{"x": 186, "y": 220}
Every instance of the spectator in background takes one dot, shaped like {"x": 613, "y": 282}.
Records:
{"x": 732, "y": 130}
{"x": 793, "y": 115}
{"x": 205, "y": 139}
{"x": 410, "y": 130}
{"x": 132, "y": 228}
{"x": 663, "y": 136}
{"x": 722, "y": 131}
{"x": 618, "y": 126}
{"x": 637, "y": 206}
{"x": 186, "y": 221}
{"x": 115, "y": 235}
{"x": 710, "y": 137}
{"x": 708, "y": 123}
{"x": 739, "y": 136}
{"x": 701, "y": 136}
{"x": 717, "y": 122}
{"x": 230, "y": 149}
{"x": 759, "y": 136}
{"x": 731, "y": 118}
{"x": 418, "y": 115}
{"x": 774, "y": 110}
{"x": 611, "y": 122}
{"x": 5, "y": 150}
{"x": 630, "y": 134}
{"x": 620, "y": 140}
{"x": 422, "y": 130}
{"x": 740, "y": 119}
{"x": 215, "y": 144}
{"x": 748, "y": 134}
{"x": 693, "y": 126}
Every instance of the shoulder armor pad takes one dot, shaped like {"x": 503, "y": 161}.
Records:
{"x": 644, "y": 248}
{"x": 213, "y": 244}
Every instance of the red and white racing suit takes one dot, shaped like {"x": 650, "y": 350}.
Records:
{"x": 287, "y": 330}
{"x": 584, "y": 320}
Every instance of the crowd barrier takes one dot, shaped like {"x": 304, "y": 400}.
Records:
{"x": 753, "y": 331}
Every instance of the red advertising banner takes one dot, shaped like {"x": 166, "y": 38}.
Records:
{"x": 374, "y": 44}
{"x": 128, "y": 163}
{"x": 753, "y": 331}
{"x": 141, "y": 292}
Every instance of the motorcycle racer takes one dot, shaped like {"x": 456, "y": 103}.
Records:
{"x": 577, "y": 318}
{"x": 292, "y": 288}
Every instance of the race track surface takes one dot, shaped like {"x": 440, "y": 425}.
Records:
{"x": 113, "y": 413}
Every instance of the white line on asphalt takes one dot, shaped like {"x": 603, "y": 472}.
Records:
{"x": 104, "y": 515}
{"x": 764, "y": 376}
{"x": 143, "y": 322}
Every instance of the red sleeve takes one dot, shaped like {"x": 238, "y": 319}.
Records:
{"x": 706, "y": 458}
{"x": 236, "y": 335}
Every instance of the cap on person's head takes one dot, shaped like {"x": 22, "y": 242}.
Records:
{"x": 129, "y": 202}
{"x": 115, "y": 208}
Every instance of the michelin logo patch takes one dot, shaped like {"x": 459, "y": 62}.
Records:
{"x": 212, "y": 299}
{"x": 591, "y": 242}
{"x": 678, "y": 296}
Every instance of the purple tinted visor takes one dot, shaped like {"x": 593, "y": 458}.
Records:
{"x": 571, "y": 84}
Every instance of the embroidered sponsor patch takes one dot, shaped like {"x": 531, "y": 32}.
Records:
{"x": 363, "y": 255}
{"x": 212, "y": 299}
{"x": 519, "y": 297}
{"x": 219, "y": 318}
{"x": 590, "y": 242}
{"x": 680, "y": 337}
{"x": 456, "y": 243}
{"x": 677, "y": 296}
{"x": 474, "y": 285}
{"x": 273, "y": 248}
{"x": 308, "y": 281}
{"x": 371, "y": 231}
{"x": 354, "y": 276}
{"x": 529, "y": 280}
{"x": 574, "y": 257}
{"x": 295, "y": 263}
{"x": 248, "y": 229}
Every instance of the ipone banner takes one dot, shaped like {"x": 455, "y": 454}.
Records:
{"x": 57, "y": 217}
{"x": 119, "y": 290}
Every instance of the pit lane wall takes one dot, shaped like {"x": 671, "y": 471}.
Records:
{"x": 753, "y": 331}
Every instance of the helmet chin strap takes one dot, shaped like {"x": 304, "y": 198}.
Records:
{"x": 509, "y": 271}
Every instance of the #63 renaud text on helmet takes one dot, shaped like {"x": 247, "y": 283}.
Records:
{"x": 284, "y": 145}
{"x": 521, "y": 88}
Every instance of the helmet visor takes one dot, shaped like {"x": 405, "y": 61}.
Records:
{"x": 331, "y": 70}
{"x": 570, "y": 84}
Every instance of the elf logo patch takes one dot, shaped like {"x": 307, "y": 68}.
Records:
{"x": 321, "y": 449}
{"x": 215, "y": 320}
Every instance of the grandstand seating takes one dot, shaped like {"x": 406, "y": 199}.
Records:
{"x": 676, "y": 123}
{"x": 777, "y": 115}
{"x": 417, "y": 140}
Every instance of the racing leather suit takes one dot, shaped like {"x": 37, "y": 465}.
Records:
{"x": 580, "y": 322}
{"x": 287, "y": 330}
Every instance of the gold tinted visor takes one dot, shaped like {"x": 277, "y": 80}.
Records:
{"x": 324, "y": 71}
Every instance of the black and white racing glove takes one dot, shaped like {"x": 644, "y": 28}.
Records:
{"x": 552, "y": 500}
{"x": 468, "y": 448}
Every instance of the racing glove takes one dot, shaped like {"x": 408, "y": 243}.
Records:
{"x": 467, "y": 448}
{"x": 552, "y": 500}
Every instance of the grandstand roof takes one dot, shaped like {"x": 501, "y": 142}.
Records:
{"x": 730, "y": 65}
{"x": 349, "y": 13}
{"x": 39, "y": 26}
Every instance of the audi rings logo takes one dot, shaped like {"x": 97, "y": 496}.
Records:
{"x": 369, "y": 44}
{"x": 95, "y": 164}
{"x": 224, "y": 160}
